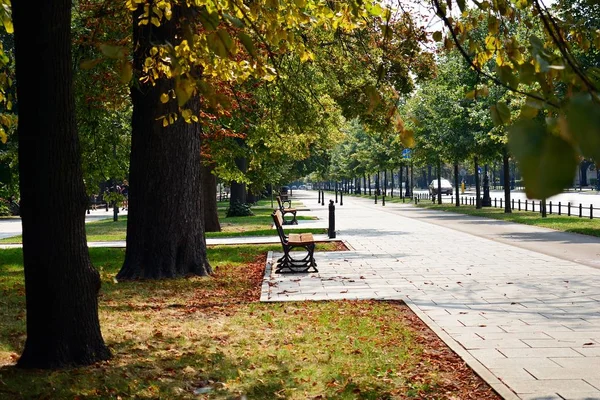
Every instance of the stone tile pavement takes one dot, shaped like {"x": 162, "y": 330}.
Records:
{"x": 527, "y": 322}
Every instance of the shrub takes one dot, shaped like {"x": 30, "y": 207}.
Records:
{"x": 238, "y": 209}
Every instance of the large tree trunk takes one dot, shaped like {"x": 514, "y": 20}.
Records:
{"x": 209, "y": 198}
{"x": 238, "y": 191}
{"x": 60, "y": 282}
{"x": 165, "y": 231}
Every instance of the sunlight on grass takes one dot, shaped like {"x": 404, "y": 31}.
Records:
{"x": 173, "y": 337}
{"x": 259, "y": 224}
{"x": 563, "y": 223}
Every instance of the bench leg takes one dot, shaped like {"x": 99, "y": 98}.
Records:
{"x": 287, "y": 264}
{"x": 293, "y": 221}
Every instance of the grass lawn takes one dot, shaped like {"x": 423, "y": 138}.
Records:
{"x": 564, "y": 223}
{"x": 257, "y": 225}
{"x": 210, "y": 338}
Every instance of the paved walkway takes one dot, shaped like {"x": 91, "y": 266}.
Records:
{"x": 527, "y": 321}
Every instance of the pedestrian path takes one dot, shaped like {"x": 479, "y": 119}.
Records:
{"x": 527, "y": 322}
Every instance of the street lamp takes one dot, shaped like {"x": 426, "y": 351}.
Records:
{"x": 487, "y": 200}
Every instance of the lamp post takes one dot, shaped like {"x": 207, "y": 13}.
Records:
{"x": 487, "y": 200}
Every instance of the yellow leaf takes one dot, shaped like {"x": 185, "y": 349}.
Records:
{"x": 3, "y": 136}
{"x": 164, "y": 98}
{"x": 184, "y": 89}
{"x": 126, "y": 72}
{"x": 8, "y": 25}
{"x": 165, "y": 122}
{"x": 9, "y": 105}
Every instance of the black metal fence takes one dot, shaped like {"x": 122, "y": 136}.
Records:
{"x": 559, "y": 208}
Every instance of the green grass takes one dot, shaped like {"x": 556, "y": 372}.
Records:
{"x": 169, "y": 338}
{"x": 257, "y": 225}
{"x": 563, "y": 223}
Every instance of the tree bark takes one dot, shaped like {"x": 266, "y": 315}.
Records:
{"x": 209, "y": 198}
{"x": 238, "y": 192}
{"x": 60, "y": 282}
{"x": 165, "y": 229}
{"x": 506, "y": 172}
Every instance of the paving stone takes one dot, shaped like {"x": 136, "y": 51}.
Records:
{"x": 513, "y": 308}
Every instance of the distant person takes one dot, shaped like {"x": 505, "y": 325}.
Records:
{"x": 94, "y": 201}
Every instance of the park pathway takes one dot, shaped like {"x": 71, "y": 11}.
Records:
{"x": 527, "y": 322}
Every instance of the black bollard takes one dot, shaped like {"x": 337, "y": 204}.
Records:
{"x": 107, "y": 206}
{"x": 336, "y": 195}
{"x": 319, "y": 199}
{"x": 322, "y": 197}
{"x": 331, "y": 230}
{"x": 341, "y": 198}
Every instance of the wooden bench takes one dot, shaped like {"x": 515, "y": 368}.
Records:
{"x": 294, "y": 240}
{"x": 285, "y": 199}
{"x": 285, "y": 211}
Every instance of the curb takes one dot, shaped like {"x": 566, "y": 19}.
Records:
{"x": 496, "y": 384}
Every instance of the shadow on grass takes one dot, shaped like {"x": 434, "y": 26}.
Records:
{"x": 136, "y": 372}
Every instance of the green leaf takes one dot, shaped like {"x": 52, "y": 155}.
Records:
{"x": 528, "y": 112}
{"x": 583, "y": 120}
{"x": 248, "y": 43}
{"x": 437, "y": 36}
{"x": 226, "y": 40}
{"x": 547, "y": 162}
{"x": 114, "y": 52}
{"x": 535, "y": 103}
{"x": 215, "y": 43}
{"x": 526, "y": 73}
{"x": 210, "y": 21}
{"x": 506, "y": 75}
{"x": 500, "y": 114}
{"x": 238, "y": 23}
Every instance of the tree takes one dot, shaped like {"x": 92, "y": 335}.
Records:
{"x": 165, "y": 228}
{"x": 61, "y": 283}
{"x": 558, "y": 125}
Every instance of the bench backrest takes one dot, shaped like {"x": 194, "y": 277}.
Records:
{"x": 280, "y": 203}
{"x": 278, "y": 222}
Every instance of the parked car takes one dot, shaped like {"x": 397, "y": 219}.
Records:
{"x": 446, "y": 187}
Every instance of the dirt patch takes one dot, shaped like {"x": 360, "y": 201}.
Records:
{"x": 339, "y": 246}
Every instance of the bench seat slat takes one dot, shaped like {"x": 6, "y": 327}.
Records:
{"x": 300, "y": 238}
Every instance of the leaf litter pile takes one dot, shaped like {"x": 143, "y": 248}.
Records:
{"x": 210, "y": 338}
